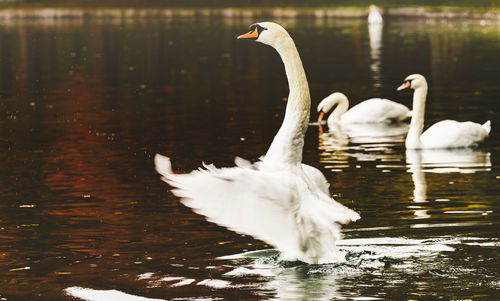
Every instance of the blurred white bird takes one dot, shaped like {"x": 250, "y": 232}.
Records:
{"x": 374, "y": 16}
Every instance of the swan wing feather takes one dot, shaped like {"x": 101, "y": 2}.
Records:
{"x": 453, "y": 134}
{"x": 270, "y": 206}
{"x": 376, "y": 110}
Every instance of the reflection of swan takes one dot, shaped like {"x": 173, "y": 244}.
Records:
{"x": 374, "y": 110}
{"x": 418, "y": 177}
{"x": 444, "y": 134}
{"x": 367, "y": 133}
{"x": 297, "y": 284}
{"x": 375, "y": 29}
{"x": 444, "y": 161}
{"x": 464, "y": 160}
{"x": 278, "y": 199}
{"x": 362, "y": 142}
{"x": 376, "y": 133}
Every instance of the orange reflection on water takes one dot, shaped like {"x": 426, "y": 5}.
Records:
{"x": 83, "y": 166}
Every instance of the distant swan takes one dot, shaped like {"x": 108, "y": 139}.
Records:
{"x": 374, "y": 15}
{"x": 373, "y": 110}
{"x": 444, "y": 134}
{"x": 278, "y": 200}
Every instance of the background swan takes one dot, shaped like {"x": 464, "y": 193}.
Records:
{"x": 373, "y": 110}
{"x": 278, "y": 200}
{"x": 443, "y": 134}
{"x": 374, "y": 15}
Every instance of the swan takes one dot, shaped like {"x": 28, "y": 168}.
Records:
{"x": 374, "y": 15}
{"x": 443, "y": 134}
{"x": 373, "y": 110}
{"x": 278, "y": 199}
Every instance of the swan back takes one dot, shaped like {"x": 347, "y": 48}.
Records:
{"x": 376, "y": 110}
{"x": 453, "y": 134}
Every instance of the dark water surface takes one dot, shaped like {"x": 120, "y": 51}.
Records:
{"x": 84, "y": 106}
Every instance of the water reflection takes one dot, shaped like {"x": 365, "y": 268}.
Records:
{"x": 413, "y": 157}
{"x": 375, "y": 31}
{"x": 364, "y": 142}
{"x": 441, "y": 161}
{"x": 342, "y": 134}
{"x": 465, "y": 160}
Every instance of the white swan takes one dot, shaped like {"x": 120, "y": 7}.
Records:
{"x": 373, "y": 110}
{"x": 278, "y": 200}
{"x": 444, "y": 134}
{"x": 374, "y": 15}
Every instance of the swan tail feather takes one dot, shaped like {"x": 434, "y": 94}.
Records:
{"x": 487, "y": 126}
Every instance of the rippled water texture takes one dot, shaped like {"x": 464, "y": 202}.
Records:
{"x": 85, "y": 105}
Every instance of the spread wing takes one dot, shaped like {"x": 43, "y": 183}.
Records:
{"x": 279, "y": 208}
{"x": 241, "y": 199}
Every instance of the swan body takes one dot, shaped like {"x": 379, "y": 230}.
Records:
{"x": 374, "y": 110}
{"x": 277, "y": 199}
{"x": 443, "y": 134}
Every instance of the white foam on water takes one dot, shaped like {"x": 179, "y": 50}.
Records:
{"x": 215, "y": 283}
{"x": 183, "y": 283}
{"x": 170, "y": 278}
{"x": 148, "y": 275}
{"x": 242, "y": 271}
{"x": 89, "y": 294}
{"x": 372, "y": 250}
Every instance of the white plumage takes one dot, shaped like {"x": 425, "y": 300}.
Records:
{"x": 278, "y": 199}
{"x": 373, "y": 110}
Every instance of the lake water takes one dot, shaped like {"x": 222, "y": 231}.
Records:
{"x": 85, "y": 105}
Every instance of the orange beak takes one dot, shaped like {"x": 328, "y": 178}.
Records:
{"x": 404, "y": 86}
{"x": 321, "y": 115}
{"x": 254, "y": 34}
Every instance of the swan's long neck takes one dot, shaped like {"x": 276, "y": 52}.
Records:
{"x": 286, "y": 148}
{"x": 342, "y": 106}
{"x": 417, "y": 119}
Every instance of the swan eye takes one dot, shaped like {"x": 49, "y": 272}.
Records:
{"x": 258, "y": 27}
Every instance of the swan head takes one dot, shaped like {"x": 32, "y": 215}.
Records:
{"x": 266, "y": 32}
{"x": 327, "y": 104}
{"x": 413, "y": 81}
